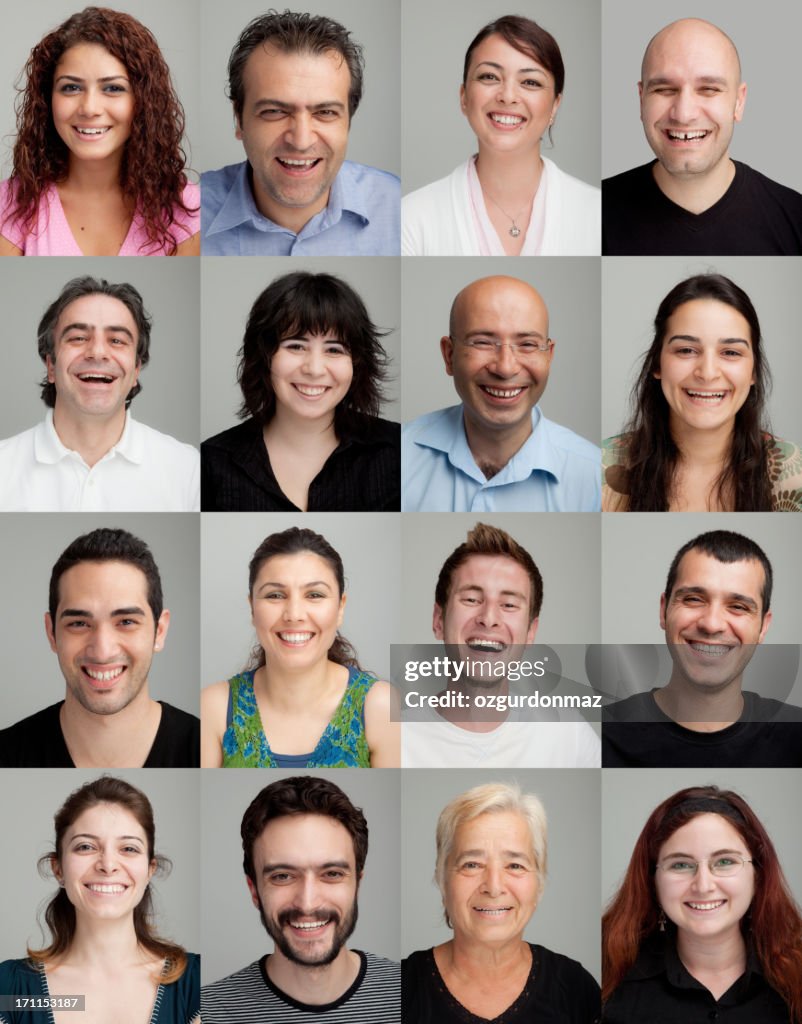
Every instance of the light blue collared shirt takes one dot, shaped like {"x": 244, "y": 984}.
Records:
{"x": 362, "y": 217}
{"x": 556, "y": 470}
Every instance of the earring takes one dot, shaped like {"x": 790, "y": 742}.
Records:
{"x": 661, "y": 920}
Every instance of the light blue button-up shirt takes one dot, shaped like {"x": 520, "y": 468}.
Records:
{"x": 556, "y": 470}
{"x": 362, "y": 217}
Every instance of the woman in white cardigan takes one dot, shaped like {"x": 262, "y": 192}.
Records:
{"x": 507, "y": 200}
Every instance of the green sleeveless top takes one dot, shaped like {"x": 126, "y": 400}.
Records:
{"x": 342, "y": 745}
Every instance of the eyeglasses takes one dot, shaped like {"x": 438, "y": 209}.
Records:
{"x": 723, "y": 866}
{"x": 523, "y": 349}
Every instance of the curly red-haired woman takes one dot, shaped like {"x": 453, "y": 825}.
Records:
{"x": 704, "y": 925}
{"x": 98, "y": 164}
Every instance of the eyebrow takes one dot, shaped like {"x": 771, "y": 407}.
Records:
{"x": 105, "y": 78}
{"x": 521, "y": 71}
{"x": 323, "y": 105}
{"x": 71, "y": 613}
{"x": 690, "y": 856}
{"x": 721, "y": 341}
{"x": 90, "y": 835}
{"x": 700, "y": 80}
{"x": 279, "y": 866}
{"x": 494, "y": 334}
{"x": 475, "y": 586}
{"x": 733, "y": 596}
{"x": 312, "y": 583}
{"x": 111, "y": 328}
{"x": 518, "y": 854}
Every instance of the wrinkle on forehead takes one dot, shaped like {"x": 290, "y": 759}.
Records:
{"x": 495, "y": 286}
{"x": 693, "y": 31}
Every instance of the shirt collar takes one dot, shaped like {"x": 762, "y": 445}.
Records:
{"x": 447, "y": 434}
{"x": 658, "y": 955}
{"x": 239, "y": 206}
{"x": 50, "y": 449}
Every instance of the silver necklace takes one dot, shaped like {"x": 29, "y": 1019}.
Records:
{"x": 514, "y": 230}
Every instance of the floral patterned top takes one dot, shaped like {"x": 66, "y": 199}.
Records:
{"x": 342, "y": 745}
{"x": 785, "y": 474}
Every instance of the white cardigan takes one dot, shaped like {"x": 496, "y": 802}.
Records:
{"x": 436, "y": 220}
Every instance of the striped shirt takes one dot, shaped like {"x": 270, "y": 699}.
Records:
{"x": 250, "y": 997}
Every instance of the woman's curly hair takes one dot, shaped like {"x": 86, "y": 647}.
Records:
{"x": 152, "y": 170}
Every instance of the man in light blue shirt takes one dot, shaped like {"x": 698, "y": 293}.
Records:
{"x": 295, "y": 81}
{"x": 497, "y": 452}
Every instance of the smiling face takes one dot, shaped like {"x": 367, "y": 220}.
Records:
{"x": 691, "y": 96}
{"x": 306, "y": 887}
{"x": 296, "y": 609}
{"x": 508, "y": 98}
{"x": 95, "y": 363}
{"x": 104, "y": 865}
{"x": 92, "y": 103}
{"x": 104, "y": 635}
{"x": 294, "y": 128}
{"x": 705, "y": 906}
{"x": 311, "y": 375}
{"x": 491, "y": 883}
{"x": 707, "y": 365}
{"x": 712, "y": 619}
{"x": 498, "y": 388}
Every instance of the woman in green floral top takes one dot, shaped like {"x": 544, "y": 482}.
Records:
{"x": 303, "y": 701}
{"x": 698, "y": 439}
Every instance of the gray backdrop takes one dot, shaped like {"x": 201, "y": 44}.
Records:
{"x": 637, "y": 549}
{"x": 230, "y": 288}
{"x": 570, "y": 287}
{"x": 436, "y": 137}
{"x": 367, "y": 542}
{"x": 175, "y": 26}
{"x": 29, "y": 547}
{"x": 170, "y": 290}
{"x": 633, "y": 289}
{"x": 233, "y": 935}
{"x": 571, "y": 799}
{"x": 565, "y": 548}
{"x": 768, "y": 45}
{"x": 629, "y": 796}
{"x": 31, "y": 796}
{"x": 375, "y": 25}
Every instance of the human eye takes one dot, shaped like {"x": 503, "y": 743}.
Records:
{"x": 272, "y": 113}
{"x": 724, "y": 862}
{"x": 532, "y": 83}
{"x": 280, "y": 877}
{"x": 334, "y": 875}
{"x": 114, "y": 88}
{"x": 682, "y": 867}
{"x": 526, "y": 348}
{"x": 317, "y": 595}
{"x": 273, "y": 595}
{"x": 129, "y": 622}
{"x": 733, "y": 353}
{"x": 120, "y": 340}
{"x": 487, "y": 76}
{"x": 69, "y": 88}
{"x": 336, "y": 349}
{"x": 76, "y": 624}
{"x": 691, "y": 599}
{"x": 470, "y": 866}
{"x": 517, "y": 868}
{"x": 482, "y": 344}
{"x": 293, "y": 345}
{"x": 327, "y": 114}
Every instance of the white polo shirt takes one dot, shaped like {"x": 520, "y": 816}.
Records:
{"x": 146, "y": 471}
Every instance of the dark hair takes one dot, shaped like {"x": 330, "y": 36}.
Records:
{"x": 79, "y": 288}
{"x": 302, "y": 794}
{"x": 107, "y": 545}
{"x": 295, "y": 541}
{"x": 652, "y": 455}
{"x": 152, "y": 170}
{"x": 300, "y": 303}
{"x": 490, "y": 540}
{"x": 527, "y": 37}
{"x": 727, "y": 547}
{"x": 294, "y": 33}
{"x": 60, "y": 913}
{"x": 776, "y": 925}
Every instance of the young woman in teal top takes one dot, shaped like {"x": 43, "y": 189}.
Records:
{"x": 303, "y": 701}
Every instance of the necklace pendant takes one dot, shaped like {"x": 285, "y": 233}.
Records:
{"x": 515, "y": 231}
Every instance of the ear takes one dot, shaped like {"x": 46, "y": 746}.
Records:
{"x": 437, "y": 622}
{"x": 161, "y": 630}
{"x": 341, "y": 612}
{"x": 766, "y": 623}
{"x": 740, "y": 102}
{"x": 138, "y": 371}
{"x": 51, "y": 632}
{"x": 447, "y": 351}
{"x": 555, "y": 107}
{"x": 640, "y": 91}
{"x": 254, "y": 893}
{"x": 530, "y": 636}
{"x": 462, "y": 99}
{"x": 550, "y": 353}
{"x": 237, "y": 127}
{"x": 51, "y": 369}
{"x": 663, "y": 611}
{"x": 55, "y": 867}
{"x": 152, "y": 868}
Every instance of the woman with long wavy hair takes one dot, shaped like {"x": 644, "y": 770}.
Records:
{"x": 103, "y": 943}
{"x": 302, "y": 701}
{"x": 698, "y": 439}
{"x": 98, "y": 168}
{"x": 704, "y": 924}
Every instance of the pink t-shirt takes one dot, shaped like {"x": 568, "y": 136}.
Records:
{"x": 52, "y": 235}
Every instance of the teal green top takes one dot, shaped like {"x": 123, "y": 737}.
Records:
{"x": 342, "y": 745}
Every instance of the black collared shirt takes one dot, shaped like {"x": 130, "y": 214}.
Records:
{"x": 363, "y": 474}
{"x": 659, "y": 990}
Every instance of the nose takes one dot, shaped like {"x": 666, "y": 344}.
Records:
{"x": 293, "y": 608}
{"x": 309, "y": 894}
{"x": 488, "y": 615}
{"x": 704, "y": 880}
{"x": 507, "y": 90}
{"x": 103, "y": 645}
{"x": 684, "y": 109}
{"x": 712, "y": 620}
{"x": 492, "y": 882}
{"x": 707, "y": 366}
{"x": 300, "y": 132}
{"x": 313, "y": 362}
{"x": 505, "y": 363}
{"x": 106, "y": 861}
{"x": 90, "y": 105}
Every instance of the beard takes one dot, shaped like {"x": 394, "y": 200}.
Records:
{"x": 343, "y": 929}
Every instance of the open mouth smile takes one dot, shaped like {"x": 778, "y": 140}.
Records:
{"x": 709, "y": 650}
{"x": 689, "y": 136}
{"x": 311, "y": 391}
{"x": 106, "y": 889}
{"x": 295, "y": 639}
{"x": 706, "y": 397}
{"x": 298, "y": 167}
{"x": 502, "y": 394}
{"x": 96, "y": 378}
{"x": 91, "y": 133}
{"x": 705, "y": 908}
{"x": 478, "y": 643}
{"x": 102, "y": 678}
{"x": 506, "y": 120}
{"x": 492, "y": 911}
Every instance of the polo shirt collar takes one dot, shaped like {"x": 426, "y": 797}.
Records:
{"x": 50, "y": 449}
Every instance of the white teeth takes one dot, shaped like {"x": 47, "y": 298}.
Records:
{"x": 479, "y": 644}
{"x": 298, "y": 163}
{"x": 717, "y": 649}
{"x": 309, "y": 391}
{"x": 91, "y": 131}
{"x": 106, "y": 888}
{"x": 509, "y": 119}
{"x": 104, "y": 677}
{"x": 707, "y": 906}
{"x": 687, "y": 136}
{"x": 714, "y": 396}
{"x": 308, "y": 925}
{"x": 296, "y": 638}
{"x": 492, "y": 910}
{"x": 503, "y": 392}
